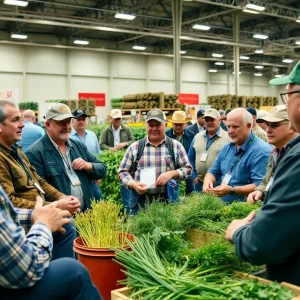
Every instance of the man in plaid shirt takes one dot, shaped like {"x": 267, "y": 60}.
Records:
{"x": 26, "y": 270}
{"x": 155, "y": 155}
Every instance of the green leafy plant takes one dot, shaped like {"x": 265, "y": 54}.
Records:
{"x": 155, "y": 214}
{"x": 102, "y": 226}
{"x": 152, "y": 277}
{"x": 239, "y": 210}
{"x": 110, "y": 184}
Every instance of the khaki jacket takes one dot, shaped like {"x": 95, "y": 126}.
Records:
{"x": 14, "y": 181}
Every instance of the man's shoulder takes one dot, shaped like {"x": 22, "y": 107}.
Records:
{"x": 37, "y": 145}
{"x": 261, "y": 145}
{"x": 124, "y": 127}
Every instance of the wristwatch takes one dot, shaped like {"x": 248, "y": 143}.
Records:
{"x": 232, "y": 191}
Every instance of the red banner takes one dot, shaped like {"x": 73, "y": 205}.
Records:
{"x": 99, "y": 98}
{"x": 188, "y": 99}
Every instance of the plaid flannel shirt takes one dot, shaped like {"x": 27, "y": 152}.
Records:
{"x": 23, "y": 257}
{"x": 158, "y": 157}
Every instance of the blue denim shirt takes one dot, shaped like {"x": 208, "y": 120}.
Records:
{"x": 250, "y": 169}
{"x": 30, "y": 134}
{"x": 89, "y": 139}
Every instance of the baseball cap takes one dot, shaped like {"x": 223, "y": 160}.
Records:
{"x": 79, "y": 112}
{"x": 252, "y": 111}
{"x": 156, "y": 114}
{"x": 293, "y": 77}
{"x": 58, "y": 112}
{"x": 116, "y": 113}
{"x": 200, "y": 113}
{"x": 276, "y": 114}
{"x": 260, "y": 114}
{"x": 212, "y": 113}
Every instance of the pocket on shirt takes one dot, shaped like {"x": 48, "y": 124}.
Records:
{"x": 52, "y": 171}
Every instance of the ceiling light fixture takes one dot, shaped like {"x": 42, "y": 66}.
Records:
{"x": 219, "y": 63}
{"x": 19, "y": 36}
{"x": 141, "y": 48}
{"x": 212, "y": 71}
{"x": 23, "y": 3}
{"x": 250, "y": 11}
{"x": 297, "y": 42}
{"x": 217, "y": 55}
{"x": 124, "y": 16}
{"x": 255, "y": 7}
{"x": 259, "y": 67}
{"x": 258, "y": 74}
{"x": 260, "y": 36}
{"x": 278, "y": 75}
{"x": 298, "y": 20}
{"x": 201, "y": 27}
{"x": 259, "y": 51}
{"x": 81, "y": 42}
{"x": 244, "y": 57}
{"x": 239, "y": 73}
{"x": 183, "y": 52}
{"x": 287, "y": 60}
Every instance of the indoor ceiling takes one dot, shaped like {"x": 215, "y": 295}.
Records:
{"x": 57, "y": 23}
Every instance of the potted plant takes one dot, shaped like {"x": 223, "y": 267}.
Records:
{"x": 99, "y": 228}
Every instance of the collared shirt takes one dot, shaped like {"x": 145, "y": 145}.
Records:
{"x": 116, "y": 134}
{"x": 157, "y": 157}
{"x": 250, "y": 169}
{"x": 30, "y": 134}
{"x": 24, "y": 257}
{"x": 209, "y": 140}
{"x": 89, "y": 139}
{"x": 200, "y": 128}
{"x": 76, "y": 191}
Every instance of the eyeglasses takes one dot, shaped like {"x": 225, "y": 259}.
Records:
{"x": 284, "y": 96}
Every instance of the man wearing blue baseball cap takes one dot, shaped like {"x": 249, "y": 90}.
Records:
{"x": 272, "y": 237}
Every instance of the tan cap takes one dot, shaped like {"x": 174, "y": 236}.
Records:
{"x": 179, "y": 117}
{"x": 276, "y": 114}
{"x": 212, "y": 113}
{"x": 58, "y": 112}
{"x": 116, "y": 113}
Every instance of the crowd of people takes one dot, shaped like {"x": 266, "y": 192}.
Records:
{"x": 47, "y": 177}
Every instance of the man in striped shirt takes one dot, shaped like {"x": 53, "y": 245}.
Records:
{"x": 155, "y": 167}
{"x": 26, "y": 248}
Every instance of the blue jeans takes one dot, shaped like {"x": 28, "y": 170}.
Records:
{"x": 65, "y": 278}
{"x": 125, "y": 194}
{"x": 199, "y": 186}
{"x": 63, "y": 243}
{"x": 96, "y": 191}
{"x": 189, "y": 186}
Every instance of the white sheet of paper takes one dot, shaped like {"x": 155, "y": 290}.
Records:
{"x": 148, "y": 176}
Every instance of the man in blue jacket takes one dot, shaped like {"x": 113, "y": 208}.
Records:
{"x": 182, "y": 135}
{"x": 272, "y": 237}
{"x": 64, "y": 163}
{"x": 199, "y": 125}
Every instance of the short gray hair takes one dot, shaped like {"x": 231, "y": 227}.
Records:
{"x": 3, "y": 104}
{"x": 244, "y": 114}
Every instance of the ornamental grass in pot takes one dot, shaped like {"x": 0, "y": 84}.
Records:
{"x": 100, "y": 228}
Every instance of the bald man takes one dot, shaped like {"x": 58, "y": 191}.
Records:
{"x": 30, "y": 132}
{"x": 241, "y": 164}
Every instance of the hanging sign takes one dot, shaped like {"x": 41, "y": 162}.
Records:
{"x": 188, "y": 98}
{"x": 99, "y": 98}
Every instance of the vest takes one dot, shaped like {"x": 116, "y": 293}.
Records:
{"x": 213, "y": 151}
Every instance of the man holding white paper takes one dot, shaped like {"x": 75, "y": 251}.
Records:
{"x": 156, "y": 166}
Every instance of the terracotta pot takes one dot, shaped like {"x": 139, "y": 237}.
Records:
{"x": 103, "y": 270}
